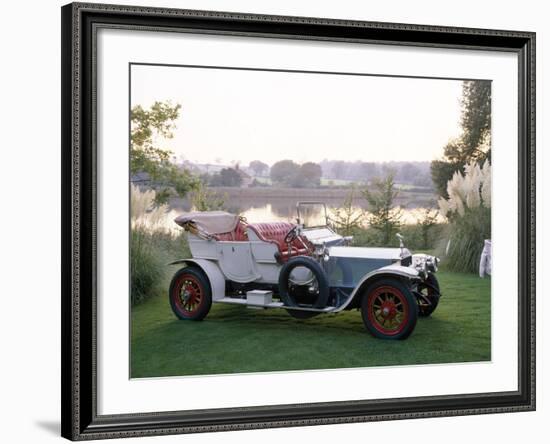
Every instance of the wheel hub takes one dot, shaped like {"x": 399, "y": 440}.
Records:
{"x": 188, "y": 294}
{"x": 388, "y": 310}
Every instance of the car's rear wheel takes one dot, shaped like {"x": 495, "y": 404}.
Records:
{"x": 389, "y": 309}
{"x": 190, "y": 294}
{"x": 429, "y": 289}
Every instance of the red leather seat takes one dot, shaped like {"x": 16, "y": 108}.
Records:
{"x": 275, "y": 232}
{"x": 237, "y": 235}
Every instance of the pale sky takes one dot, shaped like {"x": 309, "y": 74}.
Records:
{"x": 230, "y": 115}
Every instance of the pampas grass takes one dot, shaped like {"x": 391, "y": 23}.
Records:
{"x": 151, "y": 241}
{"x": 468, "y": 210}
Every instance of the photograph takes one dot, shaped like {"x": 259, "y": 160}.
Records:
{"x": 285, "y": 220}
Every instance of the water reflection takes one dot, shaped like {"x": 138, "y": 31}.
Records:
{"x": 268, "y": 213}
{"x": 275, "y": 211}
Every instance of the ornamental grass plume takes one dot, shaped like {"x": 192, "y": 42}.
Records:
{"x": 468, "y": 210}
{"x": 468, "y": 190}
{"x": 455, "y": 185}
{"x": 472, "y": 183}
{"x": 473, "y": 199}
{"x": 486, "y": 184}
{"x": 443, "y": 206}
{"x": 140, "y": 202}
{"x": 145, "y": 213}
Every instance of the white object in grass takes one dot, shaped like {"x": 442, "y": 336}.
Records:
{"x": 485, "y": 261}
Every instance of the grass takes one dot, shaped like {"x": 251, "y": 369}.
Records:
{"x": 264, "y": 180}
{"x": 336, "y": 182}
{"x": 234, "y": 339}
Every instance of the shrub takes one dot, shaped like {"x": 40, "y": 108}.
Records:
{"x": 467, "y": 240}
{"x": 150, "y": 244}
{"x": 367, "y": 237}
{"x": 205, "y": 199}
{"x": 426, "y": 225}
{"x": 413, "y": 238}
{"x": 146, "y": 266}
{"x": 383, "y": 215}
{"x": 468, "y": 209}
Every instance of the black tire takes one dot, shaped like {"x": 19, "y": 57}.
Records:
{"x": 286, "y": 293}
{"x": 302, "y": 314}
{"x": 389, "y": 301}
{"x": 300, "y": 294}
{"x": 432, "y": 293}
{"x": 195, "y": 304}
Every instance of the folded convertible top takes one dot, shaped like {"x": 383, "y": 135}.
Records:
{"x": 208, "y": 222}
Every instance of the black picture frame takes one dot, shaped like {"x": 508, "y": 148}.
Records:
{"x": 79, "y": 396}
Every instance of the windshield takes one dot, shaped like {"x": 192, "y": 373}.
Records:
{"x": 312, "y": 214}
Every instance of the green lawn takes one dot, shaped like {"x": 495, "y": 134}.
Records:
{"x": 234, "y": 339}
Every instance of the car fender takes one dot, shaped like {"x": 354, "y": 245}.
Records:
{"x": 212, "y": 272}
{"x": 393, "y": 270}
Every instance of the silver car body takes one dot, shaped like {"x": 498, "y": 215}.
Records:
{"x": 347, "y": 267}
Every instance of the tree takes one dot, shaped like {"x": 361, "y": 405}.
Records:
{"x": 408, "y": 172}
{"x": 290, "y": 174}
{"x": 147, "y": 126}
{"x": 442, "y": 171}
{"x": 476, "y": 119}
{"x": 309, "y": 175}
{"x": 230, "y": 177}
{"x": 425, "y": 223}
{"x": 204, "y": 199}
{"x": 258, "y": 167}
{"x": 284, "y": 172}
{"x": 368, "y": 170}
{"x": 474, "y": 144}
{"x": 383, "y": 216}
{"x": 347, "y": 219}
{"x": 339, "y": 169}
{"x": 227, "y": 177}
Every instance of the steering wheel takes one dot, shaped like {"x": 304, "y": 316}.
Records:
{"x": 291, "y": 235}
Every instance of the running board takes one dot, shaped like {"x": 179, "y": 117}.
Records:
{"x": 239, "y": 301}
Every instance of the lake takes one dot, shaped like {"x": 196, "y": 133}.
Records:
{"x": 279, "y": 204}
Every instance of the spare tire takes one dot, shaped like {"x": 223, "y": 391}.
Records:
{"x": 317, "y": 271}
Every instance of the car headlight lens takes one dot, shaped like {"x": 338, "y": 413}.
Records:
{"x": 423, "y": 262}
{"x": 420, "y": 263}
{"x": 432, "y": 263}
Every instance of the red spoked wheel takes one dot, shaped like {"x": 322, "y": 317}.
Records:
{"x": 389, "y": 310}
{"x": 190, "y": 294}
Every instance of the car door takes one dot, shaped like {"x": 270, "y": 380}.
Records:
{"x": 236, "y": 261}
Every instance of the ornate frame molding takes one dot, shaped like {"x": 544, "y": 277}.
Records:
{"x": 79, "y": 413}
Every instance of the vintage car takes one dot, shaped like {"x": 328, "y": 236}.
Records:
{"x": 305, "y": 268}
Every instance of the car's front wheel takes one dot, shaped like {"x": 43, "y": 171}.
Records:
{"x": 389, "y": 309}
{"x": 430, "y": 292}
{"x": 190, "y": 294}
